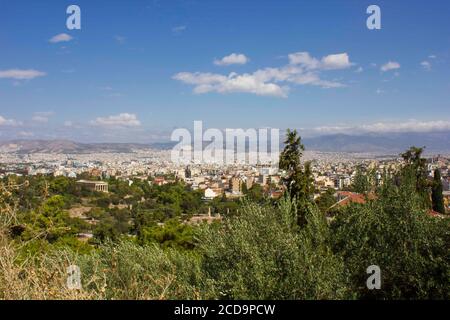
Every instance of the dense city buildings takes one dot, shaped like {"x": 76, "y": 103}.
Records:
{"x": 330, "y": 170}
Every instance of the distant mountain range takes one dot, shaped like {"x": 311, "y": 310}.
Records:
{"x": 435, "y": 142}
{"x": 65, "y": 146}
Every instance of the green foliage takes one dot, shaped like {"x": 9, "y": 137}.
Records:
{"x": 261, "y": 254}
{"x": 395, "y": 233}
{"x": 191, "y": 202}
{"x": 104, "y": 201}
{"x": 293, "y": 151}
{"x": 361, "y": 183}
{"x": 49, "y": 221}
{"x": 417, "y": 164}
{"x": 436, "y": 193}
{"x": 255, "y": 193}
{"x": 299, "y": 181}
{"x": 72, "y": 244}
{"x": 224, "y": 206}
{"x": 261, "y": 250}
{"x": 125, "y": 270}
{"x": 96, "y": 213}
{"x": 326, "y": 200}
{"x": 173, "y": 234}
{"x": 59, "y": 185}
{"x": 113, "y": 225}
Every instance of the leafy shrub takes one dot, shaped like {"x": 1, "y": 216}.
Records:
{"x": 126, "y": 270}
{"x": 261, "y": 254}
{"x": 395, "y": 233}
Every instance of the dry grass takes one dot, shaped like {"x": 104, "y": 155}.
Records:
{"x": 36, "y": 280}
{"x": 30, "y": 278}
{"x": 114, "y": 271}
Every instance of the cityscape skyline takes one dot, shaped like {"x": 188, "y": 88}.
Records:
{"x": 161, "y": 66}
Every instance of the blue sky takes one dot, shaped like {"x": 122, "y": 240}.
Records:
{"x": 137, "y": 69}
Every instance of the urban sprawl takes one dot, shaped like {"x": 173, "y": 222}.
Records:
{"x": 330, "y": 170}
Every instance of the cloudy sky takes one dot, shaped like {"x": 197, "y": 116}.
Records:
{"x": 137, "y": 69}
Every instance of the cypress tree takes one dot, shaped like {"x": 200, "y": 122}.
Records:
{"x": 415, "y": 162}
{"x": 436, "y": 194}
{"x": 360, "y": 182}
{"x": 299, "y": 180}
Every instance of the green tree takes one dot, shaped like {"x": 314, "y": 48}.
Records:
{"x": 113, "y": 225}
{"x": 173, "y": 234}
{"x": 244, "y": 188}
{"x": 436, "y": 193}
{"x": 415, "y": 162}
{"x": 191, "y": 201}
{"x": 298, "y": 181}
{"x": 125, "y": 270}
{"x": 360, "y": 182}
{"x": 262, "y": 253}
{"x": 395, "y": 233}
{"x": 255, "y": 193}
{"x": 290, "y": 161}
{"x": 49, "y": 221}
{"x": 60, "y": 185}
{"x": 326, "y": 200}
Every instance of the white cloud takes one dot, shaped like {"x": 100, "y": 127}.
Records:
{"x": 8, "y": 122}
{"x": 408, "y": 126}
{"x": 330, "y": 62}
{"x": 178, "y": 29}
{"x": 209, "y": 82}
{"x": 304, "y": 59}
{"x": 62, "y": 37}
{"x": 387, "y": 127}
{"x": 301, "y": 70}
{"x": 426, "y": 65}
{"x": 40, "y": 119}
{"x": 336, "y": 61}
{"x": 26, "y": 134}
{"x": 19, "y": 74}
{"x": 68, "y": 124}
{"x": 391, "y": 65}
{"x": 120, "y": 120}
{"x": 200, "y": 78}
{"x": 359, "y": 70}
{"x": 332, "y": 129}
{"x": 234, "y": 58}
{"x": 120, "y": 39}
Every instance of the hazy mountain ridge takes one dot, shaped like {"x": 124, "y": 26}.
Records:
{"x": 437, "y": 142}
{"x": 66, "y": 146}
{"x": 380, "y": 143}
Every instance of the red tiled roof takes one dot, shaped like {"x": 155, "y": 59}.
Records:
{"x": 353, "y": 197}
